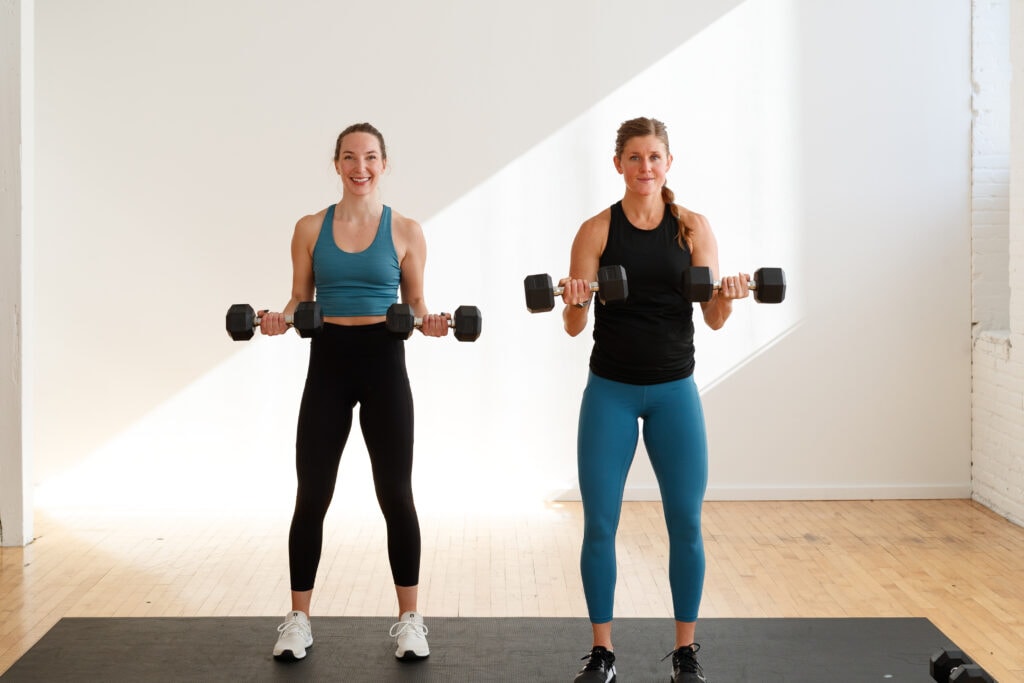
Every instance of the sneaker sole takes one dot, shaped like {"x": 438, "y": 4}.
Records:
{"x": 289, "y": 656}
{"x": 410, "y": 656}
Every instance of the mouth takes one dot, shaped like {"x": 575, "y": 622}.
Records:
{"x": 362, "y": 180}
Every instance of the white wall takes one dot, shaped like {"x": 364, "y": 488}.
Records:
{"x": 179, "y": 142}
{"x": 998, "y": 400}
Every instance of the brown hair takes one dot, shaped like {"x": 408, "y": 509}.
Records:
{"x": 361, "y": 128}
{"x": 641, "y": 127}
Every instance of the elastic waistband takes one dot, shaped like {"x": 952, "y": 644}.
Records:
{"x": 373, "y": 331}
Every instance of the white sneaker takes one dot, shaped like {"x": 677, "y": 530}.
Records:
{"x": 412, "y": 637}
{"x": 296, "y": 636}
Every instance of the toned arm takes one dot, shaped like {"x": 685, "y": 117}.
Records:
{"x": 704, "y": 252}
{"x": 584, "y": 263}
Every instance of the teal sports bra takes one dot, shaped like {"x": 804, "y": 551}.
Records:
{"x": 356, "y": 283}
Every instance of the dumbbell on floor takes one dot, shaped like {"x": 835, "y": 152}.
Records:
{"x": 611, "y": 285}
{"x": 768, "y": 285}
{"x": 468, "y": 322}
{"x": 949, "y": 666}
{"x": 241, "y": 320}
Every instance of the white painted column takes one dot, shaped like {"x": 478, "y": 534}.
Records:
{"x": 16, "y": 49}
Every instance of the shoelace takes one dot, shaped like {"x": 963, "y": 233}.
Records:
{"x": 597, "y": 659}
{"x": 292, "y": 626}
{"x": 403, "y": 626}
{"x": 685, "y": 659}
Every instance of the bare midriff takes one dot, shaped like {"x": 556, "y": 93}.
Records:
{"x": 354, "y": 320}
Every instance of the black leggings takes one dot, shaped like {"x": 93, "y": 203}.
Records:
{"x": 349, "y": 365}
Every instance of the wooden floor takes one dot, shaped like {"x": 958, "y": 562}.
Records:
{"x": 953, "y": 562}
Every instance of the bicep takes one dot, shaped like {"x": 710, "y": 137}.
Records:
{"x": 704, "y": 249}
{"x": 587, "y": 247}
{"x": 302, "y": 264}
{"x": 414, "y": 259}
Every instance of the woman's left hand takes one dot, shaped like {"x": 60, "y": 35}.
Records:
{"x": 734, "y": 286}
{"x": 435, "y": 324}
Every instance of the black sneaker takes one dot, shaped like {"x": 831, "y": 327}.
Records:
{"x": 685, "y": 668}
{"x": 600, "y": 667}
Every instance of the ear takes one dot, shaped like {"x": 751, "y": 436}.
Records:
{"x": 669, "y": 164}
{"x": 618, "y": 166}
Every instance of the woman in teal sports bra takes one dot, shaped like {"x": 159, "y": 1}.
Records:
{"x": 355, "y": 257}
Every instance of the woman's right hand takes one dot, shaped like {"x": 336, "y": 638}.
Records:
{"x": 272, "y": 323}
{"x": 574, "y": 291}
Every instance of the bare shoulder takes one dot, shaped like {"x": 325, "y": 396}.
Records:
{"x": 405, "y": 228}
{"x": 698, "y": 226}
{"x": 594, "y": 231}
{"x": 693, "y": 220}
{"x": 307, "y": 229}
{"x": 406, "y": 234}
{"x": 598, "y": 222}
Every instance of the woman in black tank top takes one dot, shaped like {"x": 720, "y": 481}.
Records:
{"x": 643, "y": 347}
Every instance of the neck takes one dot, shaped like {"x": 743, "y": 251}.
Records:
{"x": 359, "y": 206}
{"x": 643, "y": 210}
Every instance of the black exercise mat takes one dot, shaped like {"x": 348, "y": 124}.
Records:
{"x": 463, "y": 649}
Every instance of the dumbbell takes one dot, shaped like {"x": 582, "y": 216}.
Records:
{"x": 611, "y": 285}
{"x": 947, "y": 666}
{"x": 241, "y": 320}
{"x": 768, "y": 285}
{"x": 468, "y": 322}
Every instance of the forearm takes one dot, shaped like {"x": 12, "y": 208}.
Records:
{"x": 419, "y": 305}
{"x": 574, "y": 319}
{"x": 717, "y": 311}
{"x": 289, "y": 307}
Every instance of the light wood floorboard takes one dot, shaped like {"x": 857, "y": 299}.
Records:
{"x": 952, "y": 561}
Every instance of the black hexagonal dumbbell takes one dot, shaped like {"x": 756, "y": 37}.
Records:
{"x": 768, "y": 285}
{"x": 468, "y": 321}
{"x": 611, "y": 285}
{"x": 242, "y": 321}
{"x": 948, "y": 665}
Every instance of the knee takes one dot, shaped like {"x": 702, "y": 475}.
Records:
{"x": 599, "y": 531}
{"x": 311, "y": 504}
{"x": 396, "y": 502}
{"x": 683, "y": 520}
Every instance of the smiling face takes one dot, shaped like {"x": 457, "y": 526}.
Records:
{"x": 643, "y": 162}
{"x": 360, "y": 162}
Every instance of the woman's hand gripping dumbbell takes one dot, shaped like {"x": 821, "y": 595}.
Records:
{"x": 611, "y": 285}
{"x": 468, "y": 322}
{"x": 768, "y": 285}
{"x": 241, "y": 321}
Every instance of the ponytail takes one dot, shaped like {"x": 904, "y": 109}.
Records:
{"x": 684, "y": 234}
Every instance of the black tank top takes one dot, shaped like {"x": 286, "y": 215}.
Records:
{"x": 648, "y": 338}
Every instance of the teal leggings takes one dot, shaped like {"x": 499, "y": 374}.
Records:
{"x": 676, "y": 441}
